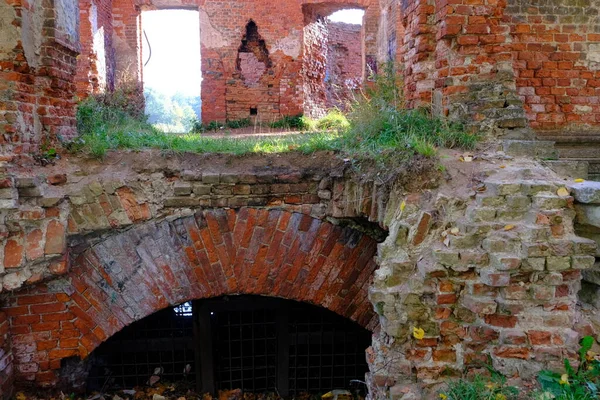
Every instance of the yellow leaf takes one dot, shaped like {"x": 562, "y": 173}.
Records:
{"x": 564, "y": 379}
{"x": 454, "y": 231}
{"x": 468, "y": 158}
{"x": 20, "y": 396}
{"x": 503, "y": 166}
{"x": 509, "y": 227}
{"x": 563, "y": 191}
{"x": 402, "y": 205}
{"x": 418, "y": 333}
{"x": 579, "y": 180}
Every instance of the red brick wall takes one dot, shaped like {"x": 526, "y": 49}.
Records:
{"x": 132, "y": 274}
{"x": 557, "y": 62}
{"x": 6, "y": 359}
{"x": 314, "y": 68}
{"x": 36, "y": 79}
{"x": 344, "y": 62}
{"x": 95, "y": 65}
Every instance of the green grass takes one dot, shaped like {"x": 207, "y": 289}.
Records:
{"x": 377, "y": 127}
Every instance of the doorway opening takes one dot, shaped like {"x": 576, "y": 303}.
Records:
{"x": 252, "y": 344}
{"x": 172, "y": 74}
{"x": 334, "y": 57}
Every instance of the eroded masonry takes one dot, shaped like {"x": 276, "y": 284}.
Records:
{"x": 488, "y": 258}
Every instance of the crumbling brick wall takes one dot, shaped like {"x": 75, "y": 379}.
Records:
{"x": 344, "y": 62}
{"x": 38, "y": 47}
{"x": 314, "y": 68}
{"x": 557, "y": 62}
{"x": 95, "y": 64}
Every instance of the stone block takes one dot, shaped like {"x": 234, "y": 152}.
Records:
{"x": 518, "y": 203}
{"x": 582, "y": 262}
{"x": 549, "y": 202}
{"x": 189, "y": 175}
{"x": 530, "y": 148}
{"x": 182, "y": 189}
{"x": 491, "y": 277}
{"x": 558, "y": 263}
{"x": 478, "y": 305}
{"x": 210, "y": 177}
{"x": 587, "y": 192}
{"x": 569, "y": 168}
{"x": 447, "y": 257}
{"x": 477, "y": 214}
{"x": 229, "y": 178}
{"x": 588, "y": 215}
{"x": 490, "y": 201}
{"x": 201, "y": 190}
{"x": 534, "y": 264}
{"x": 504, "y": 262}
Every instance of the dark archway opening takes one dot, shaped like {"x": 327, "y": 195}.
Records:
{"x": 256, "y": 344}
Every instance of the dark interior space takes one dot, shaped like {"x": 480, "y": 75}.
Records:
{"x": 257, "y": 344}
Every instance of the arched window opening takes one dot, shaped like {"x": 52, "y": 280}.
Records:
{"x": 249, "y": 343}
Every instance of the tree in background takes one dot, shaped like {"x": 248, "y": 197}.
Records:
{"x": 171, "y": 113}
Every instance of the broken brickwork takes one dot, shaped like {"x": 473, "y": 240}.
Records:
{"x": 38, "y": 47}
{"x": 508, "y": 69}
{"x": 493, "y": 272}
{"x": 344, "y": 74}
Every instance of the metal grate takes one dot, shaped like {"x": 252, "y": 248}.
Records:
{"x": 245, "y": 350}
{"x": 326, "y": 351}
{"x": 251, "y": 343}
{"x": 162, "y": 340}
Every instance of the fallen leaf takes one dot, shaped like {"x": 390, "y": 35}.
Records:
{"x": 20, "y": 396}
{"x": 468, "y": 159}
{"x": 418, "y": 333}
{"x": 509, "y": 227}
{"x": 503, "y": 166}
{"x": 579, "y": 180}
{"x": 402, "y": 205}
{"x": 454, "y": 231}
{"x": 563, "y": 191}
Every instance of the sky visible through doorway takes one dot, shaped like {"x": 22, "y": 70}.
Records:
{"x": 171, "y": 54}
{"x": 175, "y": 41}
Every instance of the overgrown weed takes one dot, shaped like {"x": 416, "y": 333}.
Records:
{"x": 378, "y": 128}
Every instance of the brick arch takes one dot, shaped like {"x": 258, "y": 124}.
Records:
{"x": 134, "y": 273}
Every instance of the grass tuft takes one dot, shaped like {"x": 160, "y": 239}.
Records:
{"x": 377, "y": 127}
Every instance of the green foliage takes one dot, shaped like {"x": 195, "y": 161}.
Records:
{"x": 480, "y": 388}
{"x": 293, "y": 122}
{"x": 574, "y": 384}
{"x": 214, "y": 126}
{"x": 378, "y": 127}
{"x": 175, "y": 113}
{"x": 334, "y": 119}
{"x": 382, "y": 128}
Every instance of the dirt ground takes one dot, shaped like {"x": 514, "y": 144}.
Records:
{"x": 176, "y": 391}
{"x": 251, "y": 131}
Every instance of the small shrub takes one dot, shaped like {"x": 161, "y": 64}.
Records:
{"x": 480, "y": 388}
{"x": 293, "y": 122}
{"x": 334, "y": 119}
{"x": 382, "y": 128}
{"x": 239, "y": 123}
{"x": 573, "y": 384}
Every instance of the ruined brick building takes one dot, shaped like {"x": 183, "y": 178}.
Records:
{"x": 90, "y": 248}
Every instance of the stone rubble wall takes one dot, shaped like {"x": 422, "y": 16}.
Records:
{"x": 42, "y": 215}
{"x": 495, "y": 274}
{"x": 488, "y": 266}
{"x": 587, "y": 224}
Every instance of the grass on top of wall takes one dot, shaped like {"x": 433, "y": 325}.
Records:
{"x": 377, "y": 127}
